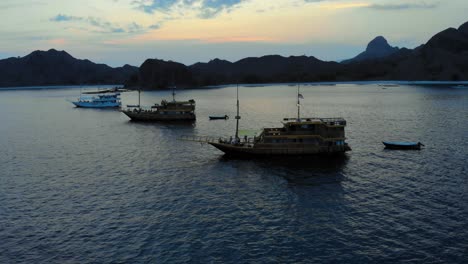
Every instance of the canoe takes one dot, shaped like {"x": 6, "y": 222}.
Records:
{"x": 219, "y": 117}
{"x": 402, "y": 145}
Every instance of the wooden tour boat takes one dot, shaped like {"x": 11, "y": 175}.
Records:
{"x": 166, "y": 111}
{"x": 298, "y": 136}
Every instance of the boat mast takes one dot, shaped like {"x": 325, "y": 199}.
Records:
{"x": 139, "y": 98}
{"x": 298, "y": 105}
{"x": 173, "y": 88}
{"x": 173, "y": 93}
{"x": 237, "y": 116}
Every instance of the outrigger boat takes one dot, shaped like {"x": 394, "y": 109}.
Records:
{"x": 298, "y": 136}
{"x": 166, "y": 111}
{"x": 403, "y": 145}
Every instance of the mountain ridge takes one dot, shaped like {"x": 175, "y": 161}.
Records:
{"x": 54, "y": 67}
{"x": 444, "y": 57}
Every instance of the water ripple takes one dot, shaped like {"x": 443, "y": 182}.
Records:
{"x": 86, "y": 186}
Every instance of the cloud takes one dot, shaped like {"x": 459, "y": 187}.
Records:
{"x": 61, "y": 18}
{"x": 339, "y": 4}
{"x": 102, "y": 26}
{"x": 154, "y": 5}
{"x": 57, "y": 42}
{"x": 19, "y": 5}
{"x": 205, "y": 8}
{"x": 155, "y": 26}
{"x": 117, "y": 30}
{"x": 389, "y": 7}
{"x": 345, "y": 5}
{"x": 135, "y": 28}
{"x": 237, "y": 39}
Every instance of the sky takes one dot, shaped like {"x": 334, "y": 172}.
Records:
{"x": 118, "y": 32}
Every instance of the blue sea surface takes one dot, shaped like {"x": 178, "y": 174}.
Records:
{"x": 89, "y": 186}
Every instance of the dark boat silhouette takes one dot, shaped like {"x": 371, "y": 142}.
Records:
{"x": 166, "y": 111}
{"x": 402, "y": 145}
{"x": 219, "y": 117}
{"x": 298, "y": 136}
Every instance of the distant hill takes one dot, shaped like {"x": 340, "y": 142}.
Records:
{"x": 271, "y": 68}
{"x": 154, "y": 74}
{"x": 377, "y": 48}
{"x": 54, "y": 67}
{"x": 159, "y": 74}
{"x": 443, "y": 58}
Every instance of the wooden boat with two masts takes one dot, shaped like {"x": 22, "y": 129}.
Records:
{"x": 165, "y": 111}
{"x": 297, "y": 136}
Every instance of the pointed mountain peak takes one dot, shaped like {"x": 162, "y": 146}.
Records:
{"x": 377, "y": 44}
{"x": 377, "y": 48}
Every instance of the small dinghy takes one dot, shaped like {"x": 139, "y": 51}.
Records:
{"x": 402, "y": 145}
{"x": 219, "y": 117}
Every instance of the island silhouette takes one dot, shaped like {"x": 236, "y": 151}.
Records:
{"x": 443, "y": 58}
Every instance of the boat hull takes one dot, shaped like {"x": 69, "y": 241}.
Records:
{"x": 151, "y": 116}
{"x": 95, "y": 105}
{"x": 218, "y": 117}
{"x": 403, "y": 145}
{"x": 249, "y": 150}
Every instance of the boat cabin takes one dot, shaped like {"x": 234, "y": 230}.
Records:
{"x": 316, "y": 131}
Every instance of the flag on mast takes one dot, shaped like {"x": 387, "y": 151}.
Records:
{"x": 300, "y": 96}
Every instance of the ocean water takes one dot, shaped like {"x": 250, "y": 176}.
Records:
{"x": 89, "y": 186}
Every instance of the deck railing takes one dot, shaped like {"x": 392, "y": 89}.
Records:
{"x": 329, "y": 120}
{"x": 213, "y": 139}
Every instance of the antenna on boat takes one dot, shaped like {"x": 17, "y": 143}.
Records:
{"x": 237, "y": 116}
{"x": 173, "y": 93}
{"x": 139, "y": 98}
{"x": 298, "y": 104}
{"x": 173, "y": 88}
